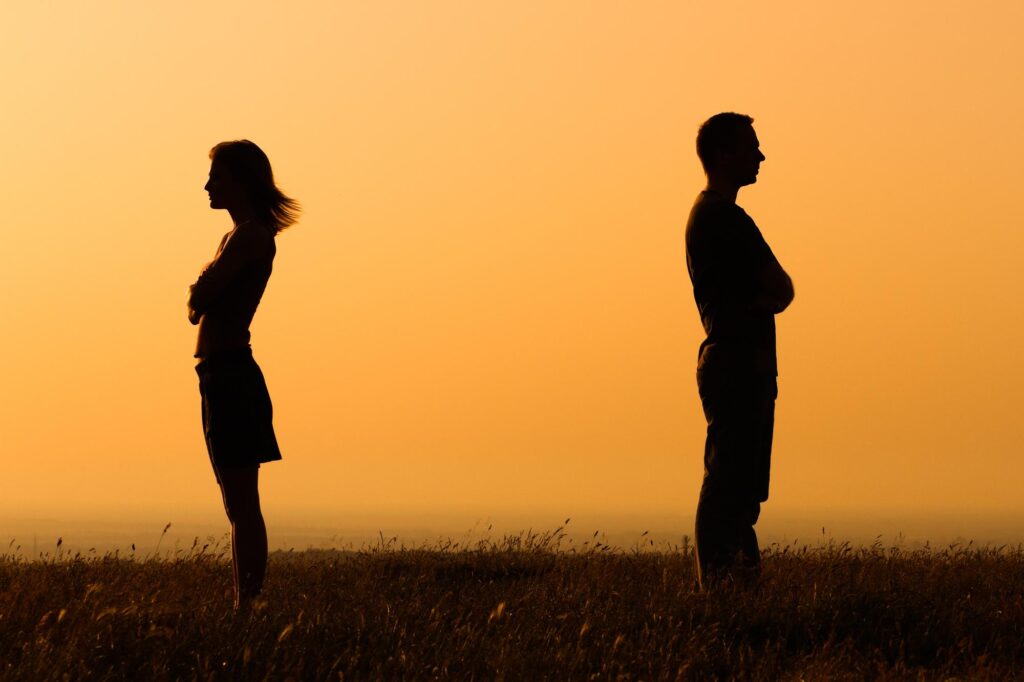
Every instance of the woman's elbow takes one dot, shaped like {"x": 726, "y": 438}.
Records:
{"x": 195, "y": 306}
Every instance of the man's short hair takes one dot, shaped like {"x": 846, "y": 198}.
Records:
{"x": 717, "y": 134}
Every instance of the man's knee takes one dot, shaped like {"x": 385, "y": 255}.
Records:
{"x": 729, "y": 504}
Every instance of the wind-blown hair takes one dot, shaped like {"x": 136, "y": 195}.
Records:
{"x": 717, "y": 134}
{"x": 250, "y": 166}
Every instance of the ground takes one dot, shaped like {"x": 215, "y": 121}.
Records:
{"x": 519, "y": 608}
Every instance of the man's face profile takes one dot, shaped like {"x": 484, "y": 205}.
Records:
{"x": 742, "y": 159}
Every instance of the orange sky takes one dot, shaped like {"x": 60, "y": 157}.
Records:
{"x": 485, "y": 305}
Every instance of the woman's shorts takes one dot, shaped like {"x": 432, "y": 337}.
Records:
{"x": 237, "y": 414}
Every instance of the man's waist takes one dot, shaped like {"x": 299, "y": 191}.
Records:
{"x": 224, "y": 357}
{"x": 736, "y": 355}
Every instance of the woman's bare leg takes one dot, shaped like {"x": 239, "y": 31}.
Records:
{"x": 240, "y": 489}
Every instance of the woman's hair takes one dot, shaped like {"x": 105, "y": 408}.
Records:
{"x": 250, "y": 166}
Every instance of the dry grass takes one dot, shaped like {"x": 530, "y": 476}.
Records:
{"x": 522, "y": 608}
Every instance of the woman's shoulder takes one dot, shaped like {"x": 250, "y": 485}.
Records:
{"x": 254, "y": 238}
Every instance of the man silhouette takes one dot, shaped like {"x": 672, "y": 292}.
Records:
{"x": 739, "y": 287}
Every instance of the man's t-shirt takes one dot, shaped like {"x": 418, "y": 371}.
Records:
{"x": 724, "y": 252}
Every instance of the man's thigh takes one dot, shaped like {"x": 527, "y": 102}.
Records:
{"x": 740, "y": 412}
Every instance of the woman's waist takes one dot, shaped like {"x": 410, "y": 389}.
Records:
{"x": 219, "y": 335}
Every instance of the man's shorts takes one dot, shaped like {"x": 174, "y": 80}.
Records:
{"x": 237, "y": 414}
{"x": 740, "y": 410}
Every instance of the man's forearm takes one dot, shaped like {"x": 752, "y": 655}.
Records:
{"x": 775, "y": 290}
{"x": 771, "y": 304}
{"x": 782, "y": 290}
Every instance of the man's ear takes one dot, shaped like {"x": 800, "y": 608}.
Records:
{"x": 720, "y": 159}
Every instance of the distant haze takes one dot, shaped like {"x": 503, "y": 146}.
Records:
{"x": 485, "y": 304}
{"x": 27, "y": 535}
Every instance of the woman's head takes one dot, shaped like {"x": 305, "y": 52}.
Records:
{"x": 240, "y": 172}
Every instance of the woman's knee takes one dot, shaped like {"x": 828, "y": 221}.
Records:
{"x": 242, "y": 509}
{"x": 241, "y": 495}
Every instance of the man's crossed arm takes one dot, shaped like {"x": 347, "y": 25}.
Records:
{"x": 774, "y": 288}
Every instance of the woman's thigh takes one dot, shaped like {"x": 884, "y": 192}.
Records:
{"x": 240, "y": 489}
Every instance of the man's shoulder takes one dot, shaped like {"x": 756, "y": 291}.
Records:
{"x": 711, "y": 215}
{"x": 711, "y": 208}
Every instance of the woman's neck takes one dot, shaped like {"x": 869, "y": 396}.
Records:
{"x": 242, "y": 215}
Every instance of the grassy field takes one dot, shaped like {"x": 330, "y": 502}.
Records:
{"x": 522, "y": 608}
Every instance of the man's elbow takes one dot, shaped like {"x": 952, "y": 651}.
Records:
{"x": 785, "y": 296}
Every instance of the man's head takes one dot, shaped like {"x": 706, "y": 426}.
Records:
{"x": 729, "y": 150}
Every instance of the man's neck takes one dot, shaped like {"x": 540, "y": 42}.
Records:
{"x": 725, "y": 190}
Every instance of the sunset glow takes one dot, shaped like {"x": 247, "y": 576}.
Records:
{"x": 485, "y": 304}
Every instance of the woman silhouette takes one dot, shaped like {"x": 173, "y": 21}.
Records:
{"x": 237, "y": 414}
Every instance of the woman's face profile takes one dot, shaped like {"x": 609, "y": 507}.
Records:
{"x": 224, "y": 190}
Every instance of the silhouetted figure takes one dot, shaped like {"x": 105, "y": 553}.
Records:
{"x": 739, "y": 287}
{"x": 237, "y": 414}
